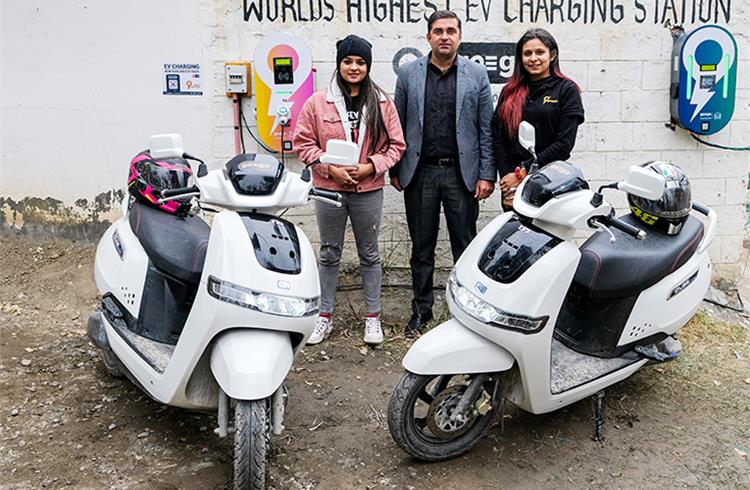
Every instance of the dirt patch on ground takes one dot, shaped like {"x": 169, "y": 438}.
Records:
{"x": 64, "y": 422}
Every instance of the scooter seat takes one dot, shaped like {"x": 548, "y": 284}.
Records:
{"x": 176, "y": 245}
{"x": 628, "y": 266}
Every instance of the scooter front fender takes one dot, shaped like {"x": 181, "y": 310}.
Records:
{"x": 251, "y": 364}
{"x": 451, "y": 348}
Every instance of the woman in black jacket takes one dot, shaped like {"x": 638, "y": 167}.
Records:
{"x": 539, "y": 93}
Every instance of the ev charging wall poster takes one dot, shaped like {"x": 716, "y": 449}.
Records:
{"x": 182, "y": 79}
{"x": 278, "y": 85}
{"x": 708, "y": 78}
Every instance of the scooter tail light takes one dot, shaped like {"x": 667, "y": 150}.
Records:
{"x": 274, "y": 304}
{"x": 486, "y": 313}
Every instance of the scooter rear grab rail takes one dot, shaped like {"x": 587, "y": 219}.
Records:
{"x": 710, "y": 233}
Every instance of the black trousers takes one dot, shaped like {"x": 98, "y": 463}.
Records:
{"x": 431, "y": 187}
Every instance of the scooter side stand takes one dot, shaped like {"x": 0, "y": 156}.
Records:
{"x": 597, "y": 407}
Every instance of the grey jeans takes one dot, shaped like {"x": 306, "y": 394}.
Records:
{"x": 364, "y": 211}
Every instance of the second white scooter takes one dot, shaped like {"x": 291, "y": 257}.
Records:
{"x": 543, "y": 323}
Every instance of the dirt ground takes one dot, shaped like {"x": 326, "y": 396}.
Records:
{"x": 64, "y": 422}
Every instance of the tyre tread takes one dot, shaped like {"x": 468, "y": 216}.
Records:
{"x": 251, "y": 444}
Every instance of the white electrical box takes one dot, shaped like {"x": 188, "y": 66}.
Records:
{"x": 237, "y": 76}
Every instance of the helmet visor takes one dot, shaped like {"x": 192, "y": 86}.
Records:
{"x": 166, "y": 175}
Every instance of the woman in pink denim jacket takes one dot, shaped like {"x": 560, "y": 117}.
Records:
{"x": 355, "y": 109}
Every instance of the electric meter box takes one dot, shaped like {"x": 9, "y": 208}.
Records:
{"x": 704, "y": 79}
{"x": 237, "y": 78}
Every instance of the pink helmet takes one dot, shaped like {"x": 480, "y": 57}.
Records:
{"x": 149, "y": 177}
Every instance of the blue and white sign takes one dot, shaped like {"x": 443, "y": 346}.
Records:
{"x": 182, "y": 79}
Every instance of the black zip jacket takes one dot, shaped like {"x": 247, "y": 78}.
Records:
{"x": 554, "y": 108}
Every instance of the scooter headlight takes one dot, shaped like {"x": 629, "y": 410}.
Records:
{"x": 274, "y": 304}
{"x": 486, "y": 313}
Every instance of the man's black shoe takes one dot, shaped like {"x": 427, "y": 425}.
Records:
{"x": 417, "y": 323}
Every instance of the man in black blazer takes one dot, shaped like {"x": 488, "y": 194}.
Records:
{"x": 445, "y": 106}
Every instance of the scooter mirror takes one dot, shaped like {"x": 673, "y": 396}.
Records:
{"x": 165, "y": 146}
{"x": 527, "y": 136}
{"x": 643, "y": 183}
{"x": 340, "y": 152}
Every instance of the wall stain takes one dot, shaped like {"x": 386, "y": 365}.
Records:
{"x": 85, "y": 220}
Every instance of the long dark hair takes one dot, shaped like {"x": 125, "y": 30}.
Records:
{"x": 517, "y": 89}
{"x": 369, "y": 93}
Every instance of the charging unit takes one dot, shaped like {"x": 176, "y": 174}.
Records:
{"x": 283, "y": 82}
{"x": 704, "y": 79}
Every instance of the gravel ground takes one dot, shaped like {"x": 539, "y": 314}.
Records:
{"x": 64, "y": 422}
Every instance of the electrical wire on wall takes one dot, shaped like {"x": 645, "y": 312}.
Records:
{"x": 721, "y": 147}
{"x": 258, "y": 141}
{"x": 242, "y": 137}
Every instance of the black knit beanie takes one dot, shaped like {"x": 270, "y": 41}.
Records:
{"x": 355, "y": 46}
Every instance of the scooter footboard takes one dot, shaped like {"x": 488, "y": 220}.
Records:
{"x": 251, "y": 364}
{"x": 451, "y": 348}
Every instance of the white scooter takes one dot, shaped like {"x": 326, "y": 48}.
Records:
{"x": 543, "y": 324}
{"x": 210, "y": 318}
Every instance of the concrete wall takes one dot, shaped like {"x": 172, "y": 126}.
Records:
{"x": 81, "y": 89}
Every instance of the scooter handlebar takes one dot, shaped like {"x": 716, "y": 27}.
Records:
{"x": 626, "y": 228}
{"x": 330, "y": 197}
{"x": 179, "y": 191}
{"x": 704, "y": 210}
{"x": 333, "y": 196}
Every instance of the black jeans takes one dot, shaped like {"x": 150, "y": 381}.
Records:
{"x": 430, "y": 187}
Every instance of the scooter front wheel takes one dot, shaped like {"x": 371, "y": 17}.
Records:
{"x": 251, "y": 443}
{"x": 419, "y": 415}
{"x": 112, "y": 364}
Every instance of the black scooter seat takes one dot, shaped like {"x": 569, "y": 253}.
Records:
{"x": 628, "y": 266}
{"x": 176, "y": 245}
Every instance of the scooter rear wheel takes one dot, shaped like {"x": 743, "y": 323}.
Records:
{"x": 419, "y": 415}
{"x": 251, "y": 443}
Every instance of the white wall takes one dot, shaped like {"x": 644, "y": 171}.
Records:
{"x": 81, "y": 89}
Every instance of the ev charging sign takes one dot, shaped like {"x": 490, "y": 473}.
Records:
{"x": 707, "y": 79}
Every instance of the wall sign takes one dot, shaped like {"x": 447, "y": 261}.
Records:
{"x": 182, "y": 79}
{"x": 496, "y": 57}
{"x": 496, "y": 11}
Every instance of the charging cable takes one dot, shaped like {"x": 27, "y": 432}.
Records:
{"x": 721, "y": 147}
{"x": 259, "y": 142}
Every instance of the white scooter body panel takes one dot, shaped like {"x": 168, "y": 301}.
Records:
{"x": 539, "y": 296}
{"x": 251, "y": 364}
{"x": 451, "y": 348}
{"x": 216, "y": 190}
{"x": 122, "y": 277}
{"x": 659, "y": 309}
{"x": 229, "y": 257}
{"x": 561, "y": 215}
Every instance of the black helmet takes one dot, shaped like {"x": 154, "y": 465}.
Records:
{"x": 669, "y": 213}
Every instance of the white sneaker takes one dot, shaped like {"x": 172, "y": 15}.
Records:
{"x": 373, "y": 330}
{"x": 323, "y": 327}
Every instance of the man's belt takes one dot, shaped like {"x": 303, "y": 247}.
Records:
{"x": 444, "y": 162}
